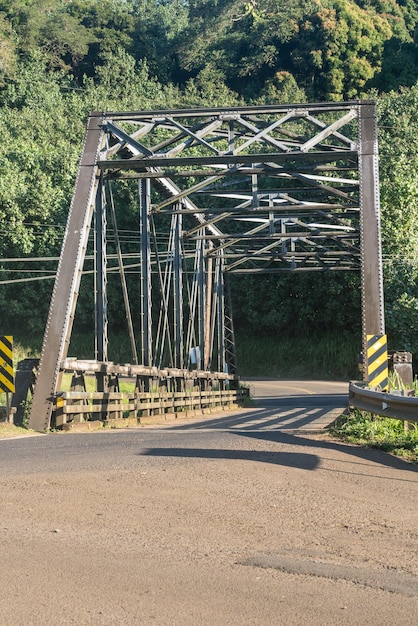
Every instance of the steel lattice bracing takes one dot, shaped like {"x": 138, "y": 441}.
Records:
{"x": 243, "y": 190}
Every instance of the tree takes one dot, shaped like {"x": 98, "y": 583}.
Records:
{"x": 298, "y": 304}
{"x": 111, "y": 26}
{"x": 338, "y": 48}
{"x": 398, "y": 142}
{"x": 243, "y": 40}
{"x": 281, "y": 88}
{"x": 122, "y": 83}
{"x": 7, "y": 50}
{"x": 47, "y": 24}
{"x": 37, "y": 166}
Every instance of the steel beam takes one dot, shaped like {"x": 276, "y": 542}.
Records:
{"x": 373, "y": 320}
{"x": 201, "y": 307}
{"x": 178, "y": 294}
{"x": 146, "y": 300}
{"x": 64, "y": 297}
{"x": 100, "y": 281}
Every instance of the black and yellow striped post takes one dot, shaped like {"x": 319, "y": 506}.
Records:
{"x": 377, "y": 361}
{"x": 7, "y": 379}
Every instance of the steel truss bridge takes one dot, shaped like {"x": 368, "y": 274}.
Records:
{"x": 217, "y": 191}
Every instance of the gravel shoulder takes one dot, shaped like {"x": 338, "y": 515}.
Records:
{"x": 163, "y": 526}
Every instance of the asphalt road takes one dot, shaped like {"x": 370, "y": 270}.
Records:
{"x": 252, "y": 518}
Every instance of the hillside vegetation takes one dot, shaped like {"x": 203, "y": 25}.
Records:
{"x": 60, "y": 59}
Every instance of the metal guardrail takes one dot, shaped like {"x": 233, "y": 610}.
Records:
{"x": 385, "y": 404}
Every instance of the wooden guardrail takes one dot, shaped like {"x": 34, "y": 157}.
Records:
{"x": 151, "y": 392}
{"x": 392, "y": 405}
{"x": 79, "y": 406}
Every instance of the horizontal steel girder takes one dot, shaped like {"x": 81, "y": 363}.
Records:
{"x": 259, "y": 163}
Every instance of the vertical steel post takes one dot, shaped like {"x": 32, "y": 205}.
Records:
{"x": 191, "y": 343}
{"x": 254, "y": 189}
{"x": 128, "y": 313}
{"x": 146, "y": 308}
{"x": 201, "y": 308}
{"x": 208, "y": 320}
{"x": 100, "y": 280}
{"x": 229, "y": 333}
{"x": 220, "y": 300}
{"x": 373, "y": 320}
{"x": 178, "y": 293}
{"x": 64, "y": 298}
{"x": 231, "y": 137}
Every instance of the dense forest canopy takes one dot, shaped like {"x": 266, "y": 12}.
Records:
{"x": 333, "y": 49}
{"x": 60, "y": 59}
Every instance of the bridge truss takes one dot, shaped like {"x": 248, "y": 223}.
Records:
{"x": 218, "y": 191}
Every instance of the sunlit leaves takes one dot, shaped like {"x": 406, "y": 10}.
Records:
{"x": 398, "y": 140}
{"x": 339, "y": 48}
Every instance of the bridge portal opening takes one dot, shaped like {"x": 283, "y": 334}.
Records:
{"x": 169, "y": 204}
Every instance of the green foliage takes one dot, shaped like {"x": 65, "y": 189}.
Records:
{"x": 122, "y": 83}
{"x": 379, "y": 432}
{"x": 37, "y": 166}
{"x": 297, "y": 304}
{"x": 399, "y": 65}
{"x": 59, "y": 60}
{"x": 282, "y": 88}
{"x": 7, "y": 50}
{"x": 401, "y": 303}
{"x": 209, "y": 86}
{"x": 333, "y": 48}
{"x": 244, "y": 40}
{"x": 398, "y": 143}
{"x": 322, "y": 356}
{"x": 48, "y": 26}
{"x": 338, "y": 49}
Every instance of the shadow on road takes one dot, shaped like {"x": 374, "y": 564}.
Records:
{"x": 290, "y": 459}
{"x": 269, "y": 421}
{"x": 282, "y": 413}
{"x": 303, "y": 460}
{"x": 366, "y": 454}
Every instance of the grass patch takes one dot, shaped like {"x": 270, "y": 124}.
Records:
{"x": 383, "y": 433}
{"x": 9, "y": 430}
{"x": 325, "y": 357}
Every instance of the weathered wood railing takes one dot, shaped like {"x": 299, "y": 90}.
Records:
{"x": 168, "y": 392}
{"x": 75, "y": 406}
